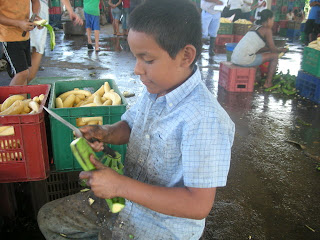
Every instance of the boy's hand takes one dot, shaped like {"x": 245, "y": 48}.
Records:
{"x": 25, "y": 25}
{"x": 75, "y": 18}
{"x": 103, "y": 181}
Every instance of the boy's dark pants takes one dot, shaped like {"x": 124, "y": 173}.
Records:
{"x": 73, "y": 217}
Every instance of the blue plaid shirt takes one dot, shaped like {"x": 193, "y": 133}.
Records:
{"x": 181, "y": 139}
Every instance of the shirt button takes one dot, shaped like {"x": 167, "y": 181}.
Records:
{"x": 147, "y": 136}
{"x": 170, "y": 104}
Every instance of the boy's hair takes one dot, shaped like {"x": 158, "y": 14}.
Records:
{"x": 172, "y": 23}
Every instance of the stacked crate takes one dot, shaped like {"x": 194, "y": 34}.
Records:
{"x": 293, "y": 32}
{"x": 280, "y": 9}
{"x": 225, "y": 35}
{"x": 55, "y": 13}
{"x": 308, "y": 80}
{"x": 239, "y": 30}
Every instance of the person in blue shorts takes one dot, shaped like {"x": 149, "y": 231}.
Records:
{"x": 179, "y": 142}
{"x": 92, "y": 16}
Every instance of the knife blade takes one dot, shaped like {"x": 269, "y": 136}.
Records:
{"x": 106, "y": 149}
{"x": 65, "y": 122}
{"x": 33, "y": 17}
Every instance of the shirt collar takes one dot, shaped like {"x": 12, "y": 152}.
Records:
{"x": 177, "y": 95}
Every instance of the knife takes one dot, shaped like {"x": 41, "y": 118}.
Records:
{"x": 33, "y": 17}
{"x": 65, "y": 122}
{"x": 106, "y": 149}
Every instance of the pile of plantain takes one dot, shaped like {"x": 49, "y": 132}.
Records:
{"x": 243, "y": 21}
{"x": 315, "y": 44}
{"x": 283, "y": 84}
{"x": 225, "y": 20}
{"x": 18, "y": 104}
{"x": 104, "y": 96}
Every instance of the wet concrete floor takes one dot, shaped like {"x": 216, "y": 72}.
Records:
{"x": 273, "y": 187}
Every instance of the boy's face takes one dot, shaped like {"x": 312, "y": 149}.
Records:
{"x": 157, "y": 70}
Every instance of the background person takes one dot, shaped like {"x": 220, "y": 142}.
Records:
{"x": 38, "y": 37}
{"x": 235, "y": 9}
{"x": 125, "y": 14}
{"x": 259, "y": 7}
{"x": 290, "y": 16}
{"x": 251, "y": 51}
{"x": 246, "y": 9}
{"x": 14, "y": 20}
{"x": 210, "y": 19}
{"x": 92, "y": 16}
{"x": 116, "y": 11}
{"x": 312, "y": 28}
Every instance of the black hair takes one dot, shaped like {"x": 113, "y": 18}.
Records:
{"x": 173, "y": 24}
{"x": 265, "y": 15}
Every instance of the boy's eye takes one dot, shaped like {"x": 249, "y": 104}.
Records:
{"x": 148, "y": 62}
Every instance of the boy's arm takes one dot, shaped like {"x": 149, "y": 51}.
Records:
{"x": 25, "y": 25}
{"x": 117, "y": 133}
{"x": 118, "y": 3}
{"x": 73, "y": 16}
{"x": 194, "y": 203}
{"x": 35, "y": 6}
{"x": 111, "y": 4}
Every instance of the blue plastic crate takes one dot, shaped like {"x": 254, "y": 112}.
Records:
{"x": 308, "y": 86}
{"x": 230, "y": 46}
{"x": 293, "y": 34}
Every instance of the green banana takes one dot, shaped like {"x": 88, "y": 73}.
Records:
{"x": 82, "y": 151}
{"x": 115, "y": 204}
{"x": 44, "y": 23}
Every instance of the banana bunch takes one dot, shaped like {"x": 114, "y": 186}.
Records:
{"x": 44, "y": 23}
{"x": 315, "y": 44}
{"x": 18, "y": 104}
{"x": 283, "y": 84}
{"x": 225, "y": 20}
{"x": 243, "y": 21}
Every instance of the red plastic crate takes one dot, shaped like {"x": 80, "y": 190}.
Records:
{"x": 55, "y": 10}
{"x": 237, "y": 38}
{"x": 221, "y": 40}
{"x": 236, "y": 79}
{"x": 24, "y": 155}
{"x": 276, "y": 28}
{"x": 284, "y": 9}
{"x": 220, "y": 49}
{"x": 283, "y": 23}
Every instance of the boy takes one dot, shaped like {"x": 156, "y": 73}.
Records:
{"x": 179, "y": 141}
{"x": 14, "y": 20}
{"x": 92, "y": 16}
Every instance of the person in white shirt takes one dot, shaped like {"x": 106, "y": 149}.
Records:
{"x": 246, "y": 9}
{"x": 235, "y": 9}
{"x": 259, "y": 6}
{"x": 210, "y": 19}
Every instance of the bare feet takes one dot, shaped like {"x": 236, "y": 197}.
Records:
{"x": 267, "y": 85}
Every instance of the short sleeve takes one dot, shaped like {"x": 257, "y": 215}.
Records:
{"x": 206, "y": 151}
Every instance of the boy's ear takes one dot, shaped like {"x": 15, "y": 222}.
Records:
{"x": 188, "y": 55}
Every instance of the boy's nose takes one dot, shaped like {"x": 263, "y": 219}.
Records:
{"x": 138, "y": 69}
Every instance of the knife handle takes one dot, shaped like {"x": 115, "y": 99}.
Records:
{"x": 106, "y": 149}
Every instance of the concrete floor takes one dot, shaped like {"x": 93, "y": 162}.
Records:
{"x": 273, "y": 187}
